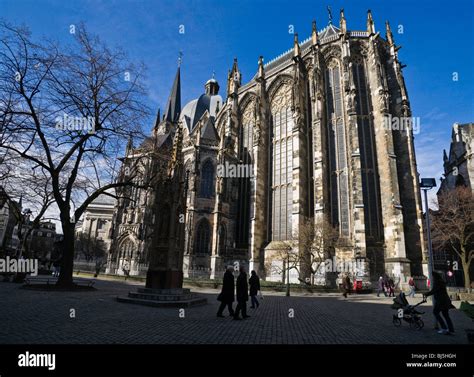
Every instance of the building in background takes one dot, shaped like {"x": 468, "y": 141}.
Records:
{"x": 93, "y": 234}
{"x": 321, "y": 132}
{"x": 458, "y": 164}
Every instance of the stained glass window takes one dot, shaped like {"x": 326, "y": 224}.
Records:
{"x": 207, "y": 180}
{"x": 282, "y": 162}
{"x": 203, "y": 238}
{"x": 339, "y": 184}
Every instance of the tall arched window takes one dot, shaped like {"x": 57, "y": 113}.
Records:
{"x": 127, "y": 249}
{"x": 368, "y": 160}
{"x": 338, "y": 166}
{"x": 282, "y": 165}
{"x": 207, "y": 180}
{"x": 202, "y": 243}
{"x": 245, "y": 156}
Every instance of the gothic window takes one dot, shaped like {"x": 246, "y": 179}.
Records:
{"x": 127, "y": 249}
{"x": 282, "y": 166}
{"x": 370, "y": 184}
{"x": 338, "y": 167}
{"x": 207, "y": 180}
{"x": 245, "y": 156}
{"x": 202, "y": 244}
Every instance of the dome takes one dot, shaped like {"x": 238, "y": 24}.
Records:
{"x": 194, "y": 110}
{"x": 211, "y": 81}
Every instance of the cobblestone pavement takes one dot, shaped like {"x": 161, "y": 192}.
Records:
{"x": 44, "y": 317}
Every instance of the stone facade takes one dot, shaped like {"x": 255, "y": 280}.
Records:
{"x": 459, "y": 163}
{"x": 311, "y": 126}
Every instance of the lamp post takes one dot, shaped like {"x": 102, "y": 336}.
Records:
{"x": 427, "y": 184}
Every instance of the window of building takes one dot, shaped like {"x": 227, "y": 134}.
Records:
{"x": 370, "y": 183}
{"x": 282, "y": 170}
{"x": 338, "y": 167}
{"x": 207, "y": 180}
{"x": 203, "y": 238}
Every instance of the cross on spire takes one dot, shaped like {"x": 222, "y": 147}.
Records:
{"x": 180, "y": 58}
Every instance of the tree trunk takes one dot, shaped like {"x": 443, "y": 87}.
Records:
{"x": 67, "y": 259}
{"x": 467, "y": 279}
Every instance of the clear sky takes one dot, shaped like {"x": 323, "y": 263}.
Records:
{"x": 437, "y": 40}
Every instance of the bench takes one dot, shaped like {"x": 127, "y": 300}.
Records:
{"x": 54, "y": 280}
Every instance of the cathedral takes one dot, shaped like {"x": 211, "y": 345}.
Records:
{"x": 309, "y": 131}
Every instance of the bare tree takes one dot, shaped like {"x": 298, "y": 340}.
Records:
{"x": 308, "y": 250}
{"x": 453, "y": 226}
{"x": 66, "y": 113}
{"x": 91, "y": 248}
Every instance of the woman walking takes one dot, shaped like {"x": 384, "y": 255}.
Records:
{"x": 442, "y": 304}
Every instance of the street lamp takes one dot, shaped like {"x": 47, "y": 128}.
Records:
{"x": 427, "y": 184}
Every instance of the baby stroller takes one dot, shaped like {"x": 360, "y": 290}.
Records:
{"x": 407, "y": 312}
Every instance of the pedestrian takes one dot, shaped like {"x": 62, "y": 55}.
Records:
{"x": 442, "y": 304}
{"x": 411, "y": 287}
{"x": 227, "y": 295}
{"x": 346, "y": 285}
{"x": 254, "y": 283}
{"x": 380, "y": 287}
{"x": 242, "y": 295}
{"x": 391, "y": 287}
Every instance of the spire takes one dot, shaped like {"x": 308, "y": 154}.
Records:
{"x": 389, "y": 34}
{"x": 329, "y": 15}
{"x": 342, "y": 22}
{"x": 296, "y": 47}
{"x": 130, "y": 143}
{"x": 173, "y": 107}
{"x": 233, "y": 79}
{"x": 261, "y": 71}
{"x": 314, "y": 34}
{"x": 445, "y": 156}
{"x": 370, "y": 23}
{"x": 158, "y": 119}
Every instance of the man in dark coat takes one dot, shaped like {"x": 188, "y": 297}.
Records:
{"x": 254, "y": 283}
{"x": 227, "y": 294}
{"x": 346, "y": 285}
{"x": 442, "y": 303}
{"x": 242, "y": 294}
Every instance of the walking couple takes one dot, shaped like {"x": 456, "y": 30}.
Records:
{"x": 227, "y": 295}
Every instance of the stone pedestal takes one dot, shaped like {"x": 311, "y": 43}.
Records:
{"x": 168, "y": 298}
{"x": 167, "y": 279}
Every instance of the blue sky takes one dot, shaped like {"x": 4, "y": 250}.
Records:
{"x": 437, "y": 40}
